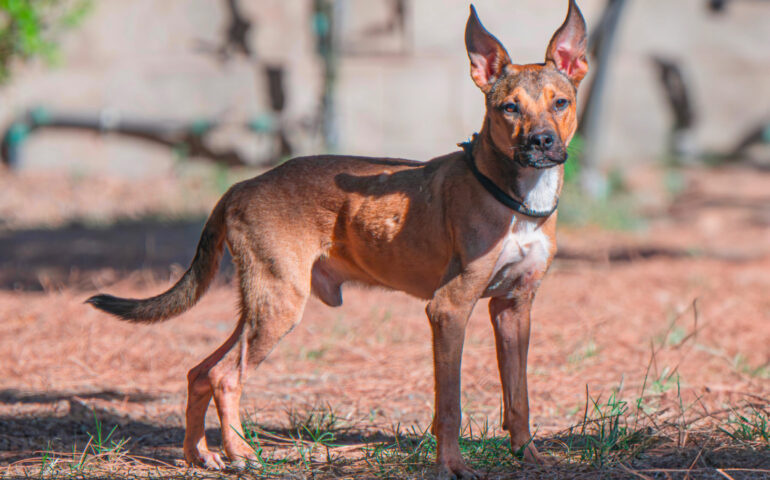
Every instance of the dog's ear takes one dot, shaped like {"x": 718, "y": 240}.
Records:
{"x": 567, "y": 49}
{"x": 487, "y": 55}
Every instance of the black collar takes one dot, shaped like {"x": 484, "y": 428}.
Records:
{"x": 496, "y": 191}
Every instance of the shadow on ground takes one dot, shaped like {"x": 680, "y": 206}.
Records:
{"x": 70, "y": 421}
{"x": 25, "y": 437}
{"x": 69, "y": 256}
{"x": 72, "y": 256}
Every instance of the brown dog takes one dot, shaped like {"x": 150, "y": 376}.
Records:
{"x": 460, "y": 227}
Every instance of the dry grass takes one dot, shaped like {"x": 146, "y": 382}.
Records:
{"x": 659, "y": 365}
{"x": 613, "y": 440}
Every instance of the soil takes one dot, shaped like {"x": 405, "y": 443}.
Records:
{"x": 682, "y": 304}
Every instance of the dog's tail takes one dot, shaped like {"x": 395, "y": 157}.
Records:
{"x": 186, "y": 292}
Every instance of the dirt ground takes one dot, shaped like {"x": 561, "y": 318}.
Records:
{"x": 681, "y": 304}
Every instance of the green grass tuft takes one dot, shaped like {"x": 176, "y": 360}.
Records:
{"x": 752, "y": 426}
{"x": 414, "y": 452}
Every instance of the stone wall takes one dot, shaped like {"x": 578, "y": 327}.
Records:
{"x": 401, "y": 90}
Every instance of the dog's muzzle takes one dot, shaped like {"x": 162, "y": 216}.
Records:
{"x": 542, "y": 149}
{"x": 535, "y": 158}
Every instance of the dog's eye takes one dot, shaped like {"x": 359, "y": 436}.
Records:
{"x": 560, "y": 104}
{"x": 510, "y": 107}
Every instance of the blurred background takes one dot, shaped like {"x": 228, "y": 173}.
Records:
{"x": 115, "y": 111}
{"x": 382, "y": 77}
{"x": 123, "y": 122}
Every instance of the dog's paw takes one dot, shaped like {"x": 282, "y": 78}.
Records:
{"x": 457, "y": 471}
{"x": 205, "y": 459}
{"x": 532, "y": 455}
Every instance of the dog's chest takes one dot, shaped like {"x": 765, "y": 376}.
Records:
{"x": 523, "y": 256}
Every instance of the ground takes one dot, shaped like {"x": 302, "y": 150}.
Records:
{"x": 652, "y": 341}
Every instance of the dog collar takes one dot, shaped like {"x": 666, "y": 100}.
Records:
{"x": 496, "y": 191}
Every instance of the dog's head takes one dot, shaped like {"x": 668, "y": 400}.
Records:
{"x": 530, "y": 108}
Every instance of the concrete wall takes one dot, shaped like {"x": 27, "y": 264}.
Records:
{"x": 397, "y": 94}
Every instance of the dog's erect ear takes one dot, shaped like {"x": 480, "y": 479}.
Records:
{"x": 487, "y": 55}
{"x": 567, "y": 49}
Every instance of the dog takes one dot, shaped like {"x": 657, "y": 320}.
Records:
{"x": 472, "y": 224}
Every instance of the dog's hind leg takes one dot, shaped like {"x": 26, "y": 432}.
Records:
{"x": 273, "y": 296}
{"x": 199, "y": 395}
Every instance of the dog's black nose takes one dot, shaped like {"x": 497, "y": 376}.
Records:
{"x": 544, "y": 140}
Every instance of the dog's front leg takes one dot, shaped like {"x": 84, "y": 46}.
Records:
{"x": 510, "y": 319}
{"x": 448, "y": 313}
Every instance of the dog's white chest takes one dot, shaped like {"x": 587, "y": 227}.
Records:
{"x": 525, "y": 252}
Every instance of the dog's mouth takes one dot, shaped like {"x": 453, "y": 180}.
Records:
{"x": 540, "y": 159}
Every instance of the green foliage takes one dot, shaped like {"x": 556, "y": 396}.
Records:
{"x": 319, "y": 422}
{"x": 749, "y": 426}
{"x": 410, "y": 452}
{"x": 741, "y": 364}
{"x": 574, "y": 152}
{"x": 312, "y": 430}
{"x": 102, "y": 443}
{"x": 414, "y": 452}
{"x": 613, "y": 437}
{"x": 583, "y": 352}
{"x": 29, "y": 29}
{"x": 605, "y": 435}
{"x": 617, "y": 212}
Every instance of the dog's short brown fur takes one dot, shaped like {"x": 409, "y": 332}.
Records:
{"x": 429, "y": 229}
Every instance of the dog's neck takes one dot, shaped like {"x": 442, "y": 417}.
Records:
{"x": 537, "y": 188}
